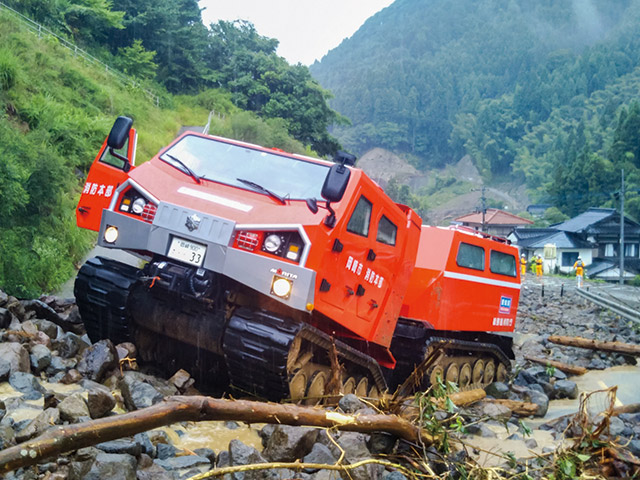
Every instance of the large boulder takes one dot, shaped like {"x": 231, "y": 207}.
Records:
{"x": 97, "y": 360}
{"x": 137, "y": 393}
{"x": 73, "y": 408}
{"x": 26, "y": 384}
{"x": 40, "y": 357}
{"x": 288, "y": 444}
{"x": 16, "y": 355}
{"x": 100, "y": 400}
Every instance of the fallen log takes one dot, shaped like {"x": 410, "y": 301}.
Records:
{"x": 522, "y": 409}
{"x": 616, "y": 347}
{"x": 629, "y": 408}
{"x": 563, "y": 367}
{"x": 461, "y": 399}
{"x": 65, "y": 438}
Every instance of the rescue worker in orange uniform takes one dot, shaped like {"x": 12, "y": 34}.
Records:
{"x": 539, "y": 266}
{"x": 579, "y": 268}
{"x": 523, "y": 265}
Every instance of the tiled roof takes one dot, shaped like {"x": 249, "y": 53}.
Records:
{"x": 493, "y": 216}
{"x": 585, "y": 220}
{"x": 560, "y": 239}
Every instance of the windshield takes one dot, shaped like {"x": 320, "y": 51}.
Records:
{"x": 238, "y": 165}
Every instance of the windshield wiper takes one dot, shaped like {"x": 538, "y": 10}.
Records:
{"x": 184, "y": 165}
{"x": 260, "y": 188}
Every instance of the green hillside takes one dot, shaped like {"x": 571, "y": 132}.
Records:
{"x": 536, "y": 92}
{"x": 55, "y": 111}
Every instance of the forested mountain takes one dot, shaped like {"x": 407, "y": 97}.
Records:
{"x": 541, "y": 92}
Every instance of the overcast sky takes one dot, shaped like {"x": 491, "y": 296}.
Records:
{"x": 306, "y": 29}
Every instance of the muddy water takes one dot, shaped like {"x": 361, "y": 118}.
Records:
{"x": 490, "y": 450}
{"x": 214, "y": 435}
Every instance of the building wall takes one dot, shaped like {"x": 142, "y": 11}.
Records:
{"x": 549, "y": 264}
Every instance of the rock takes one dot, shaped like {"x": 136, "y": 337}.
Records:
{"x": 5, "y": 318}
{"x": 596, "y": 364}
{"x": 540, "y": 399}
{"x": 559, "y": 375}
{"x": 319, "y": 454}
{"x": 60, "y": 365}
{"x": 634, "y": 447}
{"x": 208, "y": 453}
{"x": 395, "y": 475}
{"x": 166, "y": 450}
{"x": 381, "y": 443}
{"x": 350, "y": 403}
{"x": 126, "y": 349}
{"x": 7, "y": 436}
{"x": 15, "y": 306}
{"x": 100, "y": 401}
{"x": 73, "y": 408}
{"x": 26, "y": 384}
{"x": 531, "y": 443}
{"x": 193, "y": 464}
{"x": 616, "y": 426}
{"x": 49, "y": 417}
{"x": 181, "y": 380}
{"x": 231, "y": 425}
{"x": 16, "y": 355}
{"x": 288, "y": 444}
{"x": 241, "y": 454}
{"x": 266, "y": 432}
{"x": 138, "y": 394}
{"x": 112, "y": 465}
{"x": 154, "y": 472}
{"x": 481, "y": 430}
{"x": 144, "y": 441}
{"x": 3, "y": 298}
{"x": 5, "y": 370}
{"x": 72, "y": 376}
{"x": 121, "y": 446}
{"x": 565, "y": 389}
{"x": 495, "y": 410}
{"x": 69, "y": 345}
{"x": 40, "y": 358}
{"x": 97, "y": 360}
{"x": 497, "y": 390}
{"x": 355, "y": 448}
{"x": 50, "y": 329}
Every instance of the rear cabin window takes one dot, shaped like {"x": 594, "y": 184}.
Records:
{"x": 503, "y": 263}
{"x": 360, "y": 218}
{"x": 387, "y": 231}
{"x": 470, "y": 256}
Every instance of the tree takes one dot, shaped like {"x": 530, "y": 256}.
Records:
{"x": 137, "y": 61}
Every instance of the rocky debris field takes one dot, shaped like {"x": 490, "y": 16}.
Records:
{"x": 51, "y": 374}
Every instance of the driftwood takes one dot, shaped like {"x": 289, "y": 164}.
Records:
{"x": 617, "y": 347}
{"x": 629, "y": 408}
{"x": 461, "y": 399}
{"x": 65, "y": 438}
{"x": 563, "y": 367}
{"x": 522, "y": 409}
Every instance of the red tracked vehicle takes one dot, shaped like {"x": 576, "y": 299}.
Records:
{"x": 250, "y": 279}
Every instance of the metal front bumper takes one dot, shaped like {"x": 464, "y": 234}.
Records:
{"x": 254, "y": 271}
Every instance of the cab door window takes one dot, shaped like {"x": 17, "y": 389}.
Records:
{"x": 470, "y": 256}
{"x": 387, "y": 231}
{"x": 360, "y": 218}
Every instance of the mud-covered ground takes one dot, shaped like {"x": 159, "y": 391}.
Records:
{"x": 50, "y": 374}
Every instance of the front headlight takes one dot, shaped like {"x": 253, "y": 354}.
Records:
{"x": 272, "y": 243}
{"x": 281, "y": 287}
{"x": 111, "y": 234}
{"x": 138, "y": 205}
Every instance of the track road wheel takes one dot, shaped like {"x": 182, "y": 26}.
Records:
{"x": 489, "y": 372}
{"x": 363, "y": 387}
{"x": 465, "y": 375}
{"x": 436, "y": 373}
{"x": 298, "y": 386}
{"x": 316, "y": 388}
{"x": 477, "y": 375}
{"x": 501, "y": 373}
{"x": 453, "y": 373}
{"x": 374, "y": 392}
{"x": 349, "y": 386}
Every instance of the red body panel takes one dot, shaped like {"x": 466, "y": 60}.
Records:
{"x": 451, "y": 297}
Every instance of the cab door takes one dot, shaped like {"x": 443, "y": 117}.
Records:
{"x": 108, "y": 171}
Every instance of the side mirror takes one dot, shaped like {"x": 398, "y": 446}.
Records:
{"x": 335, "y": 183}
{"x": 119, "y": 133}
{"x": 118, "y": 137}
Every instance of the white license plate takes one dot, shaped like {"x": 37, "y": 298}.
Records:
{"x": 187, "y": 251}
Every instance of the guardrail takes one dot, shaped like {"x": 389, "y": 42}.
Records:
{"x": 612, "y": 305}
{"x": 41, "y": 31}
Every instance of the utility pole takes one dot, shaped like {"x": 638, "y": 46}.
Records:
{"x": 622, "y": 230}
{"x": 484, "y": 208}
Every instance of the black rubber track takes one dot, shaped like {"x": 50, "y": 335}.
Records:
{"x": 102, "y": 291}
